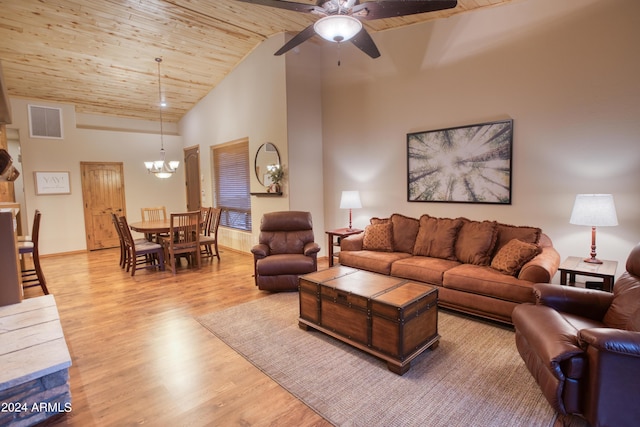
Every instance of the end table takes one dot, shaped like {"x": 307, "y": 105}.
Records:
{"x": 575, "y": 266}
{"x": 339, "y": 233}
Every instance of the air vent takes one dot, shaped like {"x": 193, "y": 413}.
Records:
{"x": 45, "y": 122}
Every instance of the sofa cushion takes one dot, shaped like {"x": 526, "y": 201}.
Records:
{"x": 405, "y": 231}
{"x": 475, "y": 241}
{"x": 423, "y": 269}
{"x": 437, "y": 237}
{"x": 376, "y": 261}
{"x": 484, "y": 280}
{"x": 378, "y": 237}
{"x": 512, "y": 256}
{"x": 626, "y": 303}
{"x": 507, "y": 232}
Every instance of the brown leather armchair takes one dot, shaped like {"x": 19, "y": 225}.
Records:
{"x": 582, "y": 347}
{"x": 286, "y": 249}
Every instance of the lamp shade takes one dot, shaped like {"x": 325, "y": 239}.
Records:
{"x": 350, "y": 200}
{"x": 595, "y": 210}
{"x": 337, "y": 28}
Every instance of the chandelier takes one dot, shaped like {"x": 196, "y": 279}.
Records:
{"x": 161, "y": 168}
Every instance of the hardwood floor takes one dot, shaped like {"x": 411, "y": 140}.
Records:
{"x": 140, "y": 357}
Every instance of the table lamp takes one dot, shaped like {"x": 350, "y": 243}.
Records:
{"x": 594, "y": 210}
{"x": 350, "y": 200}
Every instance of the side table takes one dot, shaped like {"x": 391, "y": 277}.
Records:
{"x": 338, "y": 233}
{"x": 575, "y": 266}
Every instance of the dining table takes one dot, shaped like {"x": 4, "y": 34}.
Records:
{"x": 150, "y": 228}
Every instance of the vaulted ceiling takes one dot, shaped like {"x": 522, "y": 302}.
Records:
{"x": 100, "y": 54}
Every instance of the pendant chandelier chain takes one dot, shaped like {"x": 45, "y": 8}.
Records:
{"x": 159, "y": 60}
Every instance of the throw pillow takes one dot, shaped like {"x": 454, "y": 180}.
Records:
{"x": 378, "y": 237}
{"x": 626, "y": 297}
{"x": 437, "y": 237}
{"x": 507, "y": 233}
{"x": 512, "y": 256}
{"x": 376, "y": 220}
{"x": 476, "y": 241}
{"x": 405, "y": 230}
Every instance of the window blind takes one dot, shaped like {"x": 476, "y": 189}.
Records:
{"x": 231, "y": 172}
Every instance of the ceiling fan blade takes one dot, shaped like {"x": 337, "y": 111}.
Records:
{"x": 392, "y": 8}
{"x": 302, "y": 36}
{"x": 365, "y": 43}
{"x": 289, "y": 5}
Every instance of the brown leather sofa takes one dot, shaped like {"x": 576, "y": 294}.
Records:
{"x": 582, "y": 347}
{"x": 286, "y": 249}
{"x": 460, "y": 256}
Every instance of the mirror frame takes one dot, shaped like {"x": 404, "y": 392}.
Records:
{"x": 256, "y": 165}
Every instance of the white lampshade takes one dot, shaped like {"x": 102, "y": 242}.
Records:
{"x": 595, "y": 210}
{"x": 337, "y": 28}
{"x": 350, "y": 200}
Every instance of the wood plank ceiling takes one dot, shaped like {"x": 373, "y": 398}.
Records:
{"x": 100, "y": 54}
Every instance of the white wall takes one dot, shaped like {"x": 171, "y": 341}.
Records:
{"x": 266, "y": 98}
{"x": 566, "y": 72}
{"x": 62, "y": 227}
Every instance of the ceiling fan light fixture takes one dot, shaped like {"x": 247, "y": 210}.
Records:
{"x": 337, "y": 28}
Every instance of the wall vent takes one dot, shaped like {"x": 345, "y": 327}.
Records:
{"x": 45, "y": 122}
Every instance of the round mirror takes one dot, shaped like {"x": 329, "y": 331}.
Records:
{"x": 267, "y": 155}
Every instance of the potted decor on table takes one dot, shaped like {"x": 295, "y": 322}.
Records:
{"x": 276, "y": 174}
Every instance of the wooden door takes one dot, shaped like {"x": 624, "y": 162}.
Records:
{"x": 192, "y": 177}
{"x": 102, "y": 193}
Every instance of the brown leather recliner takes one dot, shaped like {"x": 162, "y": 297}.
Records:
{"x": 582, "y": 347}
{"x": 286, "y": 250}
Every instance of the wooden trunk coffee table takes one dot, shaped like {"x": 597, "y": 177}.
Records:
{"x": 393, "y": 319}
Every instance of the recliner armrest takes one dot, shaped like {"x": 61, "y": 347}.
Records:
{"x": 260, "y": 250}
{"x": 311, "y": 248}
{"x": 611, "y": 340}
{"x": 582, "y": 302}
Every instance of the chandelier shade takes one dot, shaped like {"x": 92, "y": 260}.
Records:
{"x": 161, "y": 168}
{"x": 337, "y": 28}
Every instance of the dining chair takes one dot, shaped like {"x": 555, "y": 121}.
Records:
{"x": 33, "y": 276}
{"x": 141, "y": 253}
{"x": 124, "y": 253}
{"x": 123, "y": 247}
{"x": 209, "y": 239}
{"x": 156, "y": 213}
{"x": 184, "y": 237}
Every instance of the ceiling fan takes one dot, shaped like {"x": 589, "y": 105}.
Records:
{"x": 340, "y": 19}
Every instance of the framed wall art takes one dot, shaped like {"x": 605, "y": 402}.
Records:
{"x": 465, "y": 164}
{"x": 52, "y": 183}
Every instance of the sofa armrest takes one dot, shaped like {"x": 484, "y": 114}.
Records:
{"x": 260, "y": 251}
{"x": 611, "y": 340}
{"x": 582, "y": 302}
{"x": 311, "y": 248}
{"x": 542, "y": 267}
{"x": 352, "y": 243}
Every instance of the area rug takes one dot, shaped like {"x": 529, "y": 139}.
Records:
{"x": 475, "y": 376}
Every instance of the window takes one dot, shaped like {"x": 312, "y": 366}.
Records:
{"x": 231, "y": 174}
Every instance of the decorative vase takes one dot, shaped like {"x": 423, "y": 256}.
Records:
{"x": 273, "y": 188}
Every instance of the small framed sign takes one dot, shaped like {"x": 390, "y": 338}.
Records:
{"x": 52, "y": 183}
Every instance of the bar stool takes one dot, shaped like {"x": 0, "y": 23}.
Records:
{"x": 33, "y": 276}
